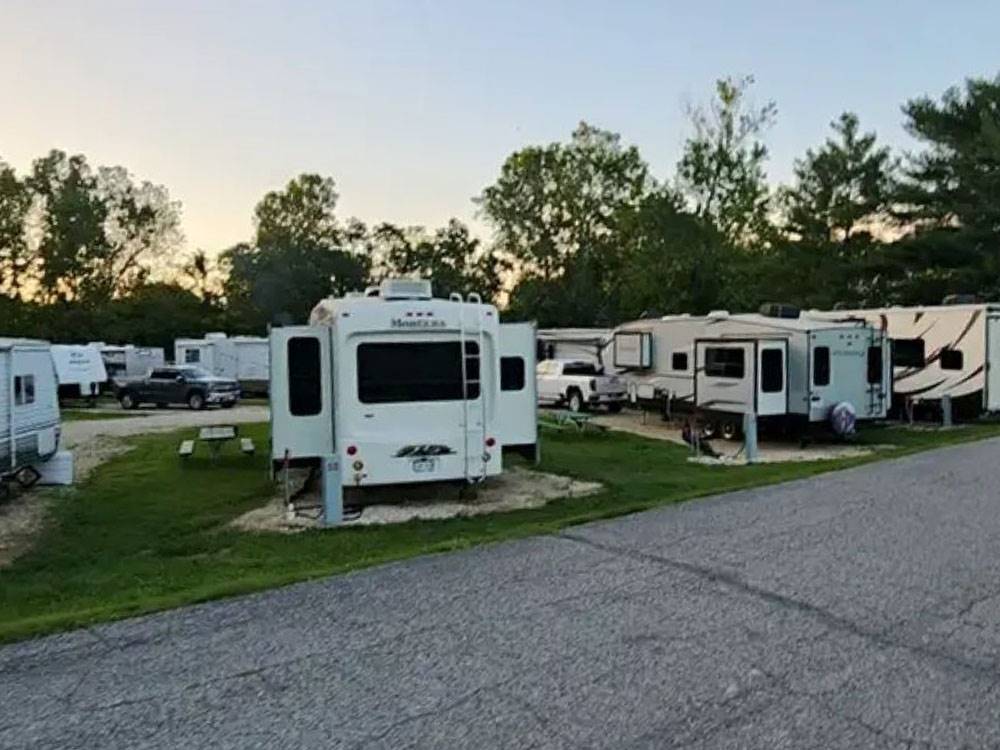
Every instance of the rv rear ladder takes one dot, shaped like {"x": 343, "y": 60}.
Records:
{"x": 472, "y": 362}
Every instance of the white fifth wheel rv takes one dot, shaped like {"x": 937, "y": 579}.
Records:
{"x": 128, "y": 361}
{"x": 29, "y": 405}
{"x": 241, "y": 358}
{"x": 940, "y": 350}
{"x": 790, "y": 370}
{"x": 80, "y": 370}
{"x": 402, "y": 387}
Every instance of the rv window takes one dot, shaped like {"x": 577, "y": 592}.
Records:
{"x": 951, "y": 359}
{"x": 679, "y": 361}
{"x": 724, "y": 362}
{"x": 24, "y": 390}
{"x": 821, "y": 365}
{"x": 511, "y": 373}
{"x": 192, "y": 356}
{"x": 874, "y": 365}
{"x": 305, "y": 382}
{"x": 406, "y": 372}
{"x": 908, "y": 353}
{"x": 772, "y": 371}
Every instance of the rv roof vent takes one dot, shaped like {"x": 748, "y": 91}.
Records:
{"x": 779, "y": 310}
{"x": 215, "y": 335}
{"x": 370, "y": 291}
{"x": 719, "y": 314}
{"x": 405, "y": 289}
{"x": 959, "y": 299}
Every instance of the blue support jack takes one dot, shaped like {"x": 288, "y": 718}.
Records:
{"x": 333, "y": 492}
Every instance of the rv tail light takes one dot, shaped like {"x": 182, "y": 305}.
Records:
{"x": 351, "y": 450}
{"x": 490, "y": 442}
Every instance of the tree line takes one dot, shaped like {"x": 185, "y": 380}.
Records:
{"x": 583, "y": 232}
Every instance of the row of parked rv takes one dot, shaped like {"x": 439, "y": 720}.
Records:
{"x": 783, "y": 364}
{"x": 86, "y": 370}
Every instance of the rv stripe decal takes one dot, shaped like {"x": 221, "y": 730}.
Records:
{"x": 971, "y": 375}
{"x": 968, "y": 326}
{"x": 918, "y": 391}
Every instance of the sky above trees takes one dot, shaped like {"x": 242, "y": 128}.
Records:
{"x": 414, "y": 106}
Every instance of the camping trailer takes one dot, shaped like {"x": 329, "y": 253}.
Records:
{"x": 940, "y": 350}
{"x": 242, "y": 358}
{"x": 79, "y": 369}
{"x": 128, "y": 361}
{"x": 29, "y": 405}
{"x": 579, "y": 344}
{"x": 403, "y": 387}
{"x": 786, "y": 370}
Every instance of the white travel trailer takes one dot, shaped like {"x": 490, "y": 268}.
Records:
{"x": 402, "y": 387}
{"x": 128, "y": 361}
{"x": 80, "y": 370}
{"x": 29, "y": 405}
{"x": 940, "y": 350}
{"x": 791, "y": 370}
{"x": 580, "y": 344}
{"x": 242, "y": 358}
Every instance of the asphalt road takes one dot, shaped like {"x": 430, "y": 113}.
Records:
{"x": 859, "y": 609}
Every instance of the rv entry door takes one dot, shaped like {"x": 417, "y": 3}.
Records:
{"x": 772, "y": 377}
{"x": 301, "y": 392}
{"x": 518, "y": 415}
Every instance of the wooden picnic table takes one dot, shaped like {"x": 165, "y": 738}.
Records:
{"x": 577, "y": 419}
{"x": 216, "y": 436}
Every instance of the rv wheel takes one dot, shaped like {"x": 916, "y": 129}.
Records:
{"x": 708, "y": 429}
{"x": 196, "y": 401}
{"x": 730, "y": 430}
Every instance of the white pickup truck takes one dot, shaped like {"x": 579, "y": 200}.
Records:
{"x": 579, "y": 384}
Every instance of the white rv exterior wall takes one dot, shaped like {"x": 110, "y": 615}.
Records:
{"x": 80, "y": 367}
{"x": 973, "y": 330}
{"x": 33, "y": 427}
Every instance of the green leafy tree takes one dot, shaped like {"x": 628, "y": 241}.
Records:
{"x": 843, "y": 186}
{"x": 16, "y": 258}
{"x": 450, "y": 257}
{"x": 721, "y": 171}
{"x": 300, "y": 254}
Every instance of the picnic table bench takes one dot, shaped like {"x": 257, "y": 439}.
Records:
{"x": 215, "y": 437}
{"x": 580, "y": 420}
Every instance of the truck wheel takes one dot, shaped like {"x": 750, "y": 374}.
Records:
{"x": 196, "y": 402}
{"x": 575, "y": 401}
{"x": 127, "y": 400}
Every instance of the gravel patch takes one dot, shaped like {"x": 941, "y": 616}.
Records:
{"x": 515, "y": 489}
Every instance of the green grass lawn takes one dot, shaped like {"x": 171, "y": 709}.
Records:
{"x": 148, "y": 532}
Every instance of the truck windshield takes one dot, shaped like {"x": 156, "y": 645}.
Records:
{"x": 581, "y": 368}
{"x": 195, "y": 373}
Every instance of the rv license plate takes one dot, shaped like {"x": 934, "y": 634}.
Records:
{"x": 423, "y": 465}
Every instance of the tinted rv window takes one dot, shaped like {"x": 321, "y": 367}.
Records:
{"x": 772, "y": 371}
{"x": 305, "y": 384}
{"x": 511, "y": 373}
{"x": 874, "y": 365}
{"x": 951, "y": 359}
{"x": 405, "y": 372}
{"x": 24, "y": 390}
{"x": 821, "y": 365}
{"x": 192, "y": 356}
{"x": 679, "y": 361}
{"x": 908, "y": 352}
{"x": 724, "y": 362}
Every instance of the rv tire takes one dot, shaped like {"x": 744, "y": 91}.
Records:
{"x": 730, "y": 430}
{"x": 196, "y": 401}
{"x": 574, "y": 400}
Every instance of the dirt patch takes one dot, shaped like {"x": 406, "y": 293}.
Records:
{"x": 515, "y": 489}
{"x": 22, "y": 518}
{"x": 731, "y": 451}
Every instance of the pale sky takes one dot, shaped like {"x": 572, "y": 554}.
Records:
{"x": 412, "y": 106}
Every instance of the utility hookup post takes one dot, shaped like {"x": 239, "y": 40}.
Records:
{"x": 333, "y": 492}
{"x": 750, "y": 437}
{"x": 946, "y": 410}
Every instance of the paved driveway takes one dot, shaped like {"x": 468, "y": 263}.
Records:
{"x": 858, "y": 609}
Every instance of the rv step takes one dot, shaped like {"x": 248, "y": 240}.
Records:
{"x": 247, "y": 446}
{"x": 186, "y": 449}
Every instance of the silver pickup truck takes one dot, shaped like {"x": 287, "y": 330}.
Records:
{"x": 579, "y": 384}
